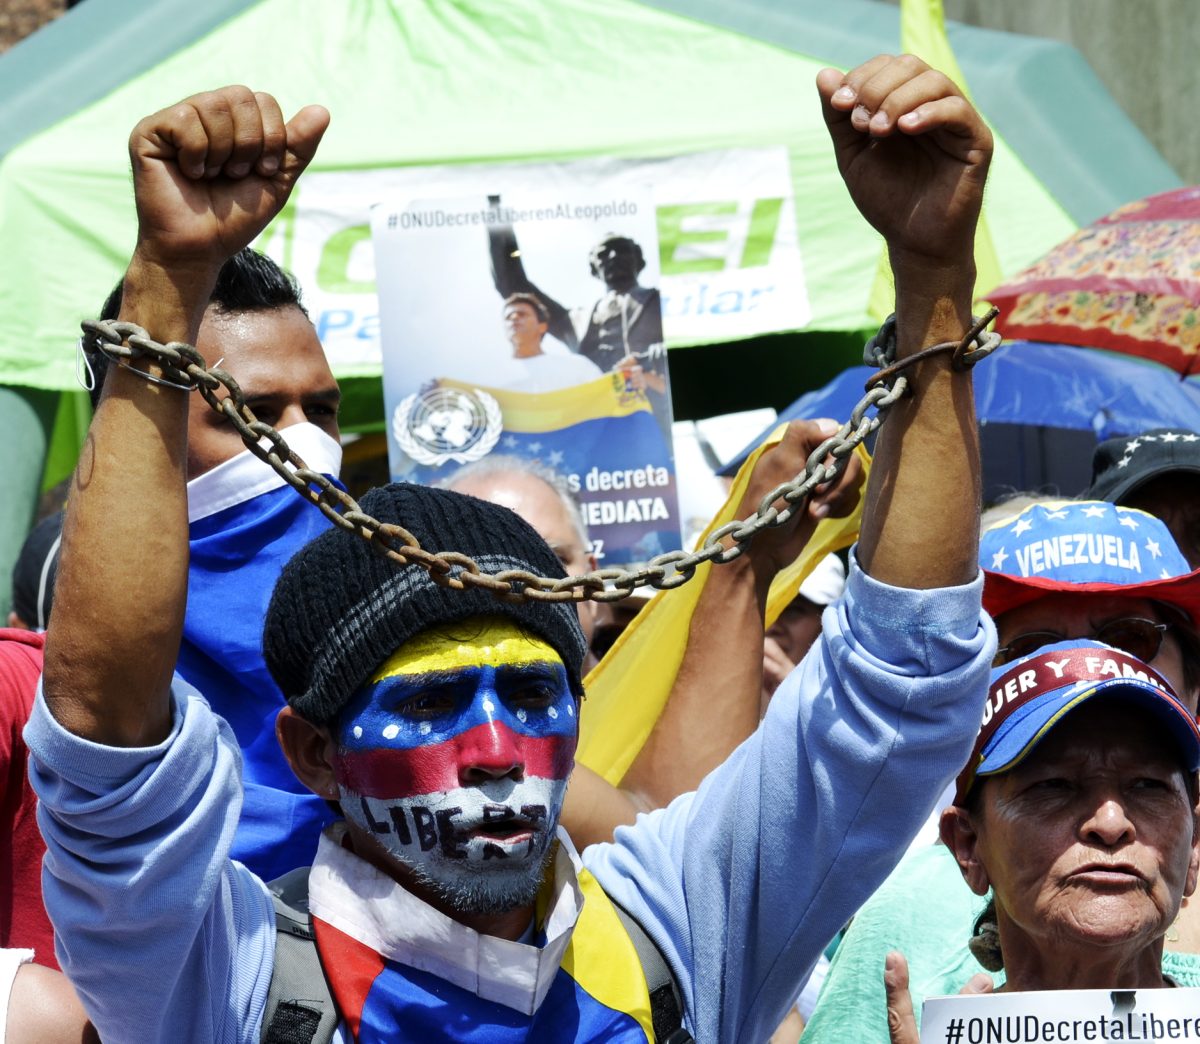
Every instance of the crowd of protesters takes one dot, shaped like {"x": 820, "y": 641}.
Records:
{"x": 265, "y": 784}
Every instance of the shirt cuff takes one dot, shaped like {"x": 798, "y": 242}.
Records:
{"x": 82, "y": 761}
{"x": 932, "y": 626}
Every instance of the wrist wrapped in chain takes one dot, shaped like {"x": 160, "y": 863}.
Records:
{"x": 183, "y": 365}
{"x": 880, "y": 350}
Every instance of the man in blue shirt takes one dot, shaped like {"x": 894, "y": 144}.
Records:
{"x": 443, "y": 723}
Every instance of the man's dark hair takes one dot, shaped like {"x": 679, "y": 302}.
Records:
{"x": 247, "y": 282}
{"x": 534, "y": 302}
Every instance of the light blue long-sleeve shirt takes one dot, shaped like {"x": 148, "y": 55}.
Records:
{"x": 741, "y": 884}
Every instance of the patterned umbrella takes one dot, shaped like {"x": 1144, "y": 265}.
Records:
{"x": 1042, "y": 408}
{"x": 1130, "y": 283}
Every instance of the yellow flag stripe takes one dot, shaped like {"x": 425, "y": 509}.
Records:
{"x": 628, "y": 689}
{"x": 602, "y": 959}
{"x": 530, "y": 412}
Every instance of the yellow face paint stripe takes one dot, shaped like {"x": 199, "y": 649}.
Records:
{"x": 484, "y": 642}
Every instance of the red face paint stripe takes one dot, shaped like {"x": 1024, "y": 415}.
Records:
{"x": 385, "y": 773}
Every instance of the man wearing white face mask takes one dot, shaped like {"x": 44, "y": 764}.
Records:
{"x": 244, "y": 524}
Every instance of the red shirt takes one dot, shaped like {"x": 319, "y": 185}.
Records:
{"x": 23, "y": 920}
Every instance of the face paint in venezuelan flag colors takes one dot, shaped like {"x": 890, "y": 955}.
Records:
{"x": 455, "y": 758}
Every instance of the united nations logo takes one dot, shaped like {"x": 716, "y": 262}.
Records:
{"x": 447, "y": 424}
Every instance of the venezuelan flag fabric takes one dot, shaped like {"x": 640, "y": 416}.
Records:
{"x": 430, "y": 979}
{"x": 603, "y": 437}
{"x": 244, "y": 525}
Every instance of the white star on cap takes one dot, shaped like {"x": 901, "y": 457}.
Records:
{"x": 1189, "y": 437}
{"x": 1023, "y": 526}
{"x": 1061, "y": 513}
{"x": 1164, "y": 575}
{"x": 1094, "y": 511}
{"x": 1128, "y": 521}
{"x": 1123, "y": 462}
{"x": 1170, "y": 436}
{"x": 1154, "y": 549}
{"x": 1133, "y": 444}
{"x": 998, "y": 559}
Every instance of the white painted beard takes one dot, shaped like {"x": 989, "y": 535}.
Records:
{"x": 480, "y": 849}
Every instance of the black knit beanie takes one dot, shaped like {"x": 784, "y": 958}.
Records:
{"x": 340, "y": 610}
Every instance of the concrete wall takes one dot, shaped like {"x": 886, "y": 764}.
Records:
{"x": 1144, "y": 51}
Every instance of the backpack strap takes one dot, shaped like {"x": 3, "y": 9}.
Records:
{"x": 666, "y": 1004}
{"x": 300, "y": 1008}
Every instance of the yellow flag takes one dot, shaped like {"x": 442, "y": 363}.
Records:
{"x": 923, "y": 33}
{"x": 627, "y": 690}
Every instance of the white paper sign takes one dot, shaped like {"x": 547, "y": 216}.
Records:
{"x": 1063, "y": 1017}
{"x": 729, "y": 259}
{"x": 463, "y": 379}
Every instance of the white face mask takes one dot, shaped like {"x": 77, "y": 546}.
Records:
{"x": 245, "y": 476}
{"x": 455, "y": 759}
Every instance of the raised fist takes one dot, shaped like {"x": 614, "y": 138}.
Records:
{"x": 913, "y": 152}
{"x": 211, "y": 172}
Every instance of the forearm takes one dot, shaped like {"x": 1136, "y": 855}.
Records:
{"x": 508, "y": 271}
{"x": 594, "y": 808}
{"x": 714, "y": 703}
{"x": 713, "y": 706}
{"x": 140, "y": 837}
{"x": 854, "y": 749}
{"x": 122, "y": 584}
{"x": 921, "y": 518}
{"x": 716, "y": 699}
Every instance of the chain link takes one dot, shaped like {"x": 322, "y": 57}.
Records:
{"x": 184, "y": 367}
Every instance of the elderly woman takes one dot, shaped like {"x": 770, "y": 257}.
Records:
{"x": 1077, "y": 810}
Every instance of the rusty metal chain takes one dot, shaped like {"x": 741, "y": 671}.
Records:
{"x": 184, "y": 367}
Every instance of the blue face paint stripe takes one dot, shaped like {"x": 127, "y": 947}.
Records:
{"x": 374, "y": 719}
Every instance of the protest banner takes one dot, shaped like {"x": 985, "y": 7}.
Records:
{"x": 530, "y": 326}
{"x": 728, "y": 253}
{"x": 1062, "y": 1017}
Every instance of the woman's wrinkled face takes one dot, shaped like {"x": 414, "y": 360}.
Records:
{"x": 455, "y": 757}
{"x": 1091, "y": 839}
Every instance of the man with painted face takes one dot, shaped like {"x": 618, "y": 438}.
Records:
{"x": 245, "y": 523}
{"x": 531, "y": 368}
{"x": 443, "y": 722}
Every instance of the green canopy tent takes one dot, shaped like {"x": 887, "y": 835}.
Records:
{"x": 449, "y": 82}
